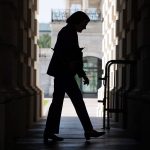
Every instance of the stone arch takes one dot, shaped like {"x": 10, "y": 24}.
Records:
{"x": 93, "y": 54}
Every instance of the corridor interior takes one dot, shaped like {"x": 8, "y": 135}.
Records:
{"x": 72, "y": 132}
{"x": 21, "y": 121}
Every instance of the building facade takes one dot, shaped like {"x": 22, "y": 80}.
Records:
{"x": 89, "y": 38}
{"x": 45, "y": 54}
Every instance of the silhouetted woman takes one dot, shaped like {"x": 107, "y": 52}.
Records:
{"x": 66, "y": 62}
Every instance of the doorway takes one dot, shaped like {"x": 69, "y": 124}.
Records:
{"x": 88, "y": 39}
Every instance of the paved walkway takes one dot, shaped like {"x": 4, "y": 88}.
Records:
{"x": 93, "y": 107}
{"x": 72, "y": 132}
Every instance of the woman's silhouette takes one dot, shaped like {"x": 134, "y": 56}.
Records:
{"x": 66, "y": 62}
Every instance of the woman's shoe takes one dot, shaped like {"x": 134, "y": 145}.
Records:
{"x": 53, "y": 137}
{"x": 93, "y": 133}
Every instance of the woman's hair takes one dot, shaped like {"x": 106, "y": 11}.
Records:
{"x": 77, "y": 17}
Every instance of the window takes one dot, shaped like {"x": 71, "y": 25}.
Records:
{"x": 92, "y": 66}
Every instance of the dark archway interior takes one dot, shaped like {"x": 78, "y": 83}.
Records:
{"x": 20, "y": 100}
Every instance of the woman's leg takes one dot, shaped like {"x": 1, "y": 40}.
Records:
{"x": 75, "y": 94}
{"x": 76, "y": 97}
{"x": 54, "y": 114}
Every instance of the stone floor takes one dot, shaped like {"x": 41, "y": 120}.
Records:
{"x": 72, "y": 132}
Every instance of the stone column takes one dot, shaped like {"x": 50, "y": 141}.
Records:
{"x": 144, "y": 63}
{"x": 84, "y": 4}
{"x": 9, "y": 72}
{"x": 139, "y": 97}
{"x": 20, "y": 100}
{"x": 67, "y": 6}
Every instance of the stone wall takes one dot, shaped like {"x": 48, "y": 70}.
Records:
{"x": 20, "y": 98}
{"x": 134, "y": 44}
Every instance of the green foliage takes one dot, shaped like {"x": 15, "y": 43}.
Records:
{"x": 45, "y": 102}
{"x": 44, "y": 41}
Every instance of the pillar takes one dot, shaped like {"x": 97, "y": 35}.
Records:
{"x": 20, "y": 100}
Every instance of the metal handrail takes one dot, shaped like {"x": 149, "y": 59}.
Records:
{"x": 106, "y": 80}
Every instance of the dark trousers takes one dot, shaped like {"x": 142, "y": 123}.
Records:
{"x": 62, "y": 85}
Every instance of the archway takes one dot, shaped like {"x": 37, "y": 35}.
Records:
{"x": 93, "y": 68}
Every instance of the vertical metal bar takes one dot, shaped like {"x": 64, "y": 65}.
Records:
{"x": 108, "y": 102}
{"x": 105, "y": 94}
{"x": 104, "y": 115}
{"x": 104, "y": 104}
{"x": 106, "y": 89}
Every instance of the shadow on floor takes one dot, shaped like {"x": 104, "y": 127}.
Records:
{"x": 72, "y": 132}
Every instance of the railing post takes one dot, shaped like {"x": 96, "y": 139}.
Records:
{"x": 106, "y": 79}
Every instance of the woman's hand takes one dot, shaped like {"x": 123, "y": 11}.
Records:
{"x": 86, "y": 80}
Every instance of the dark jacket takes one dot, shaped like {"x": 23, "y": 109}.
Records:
{"x": 67, "y": 56}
